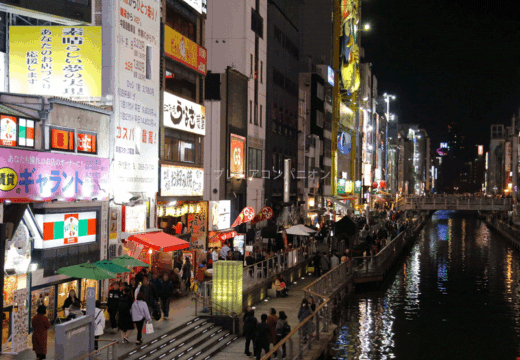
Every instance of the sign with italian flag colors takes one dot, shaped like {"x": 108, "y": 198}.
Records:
{"x": 26, "y": 132}
{"x": 66, "y": 229}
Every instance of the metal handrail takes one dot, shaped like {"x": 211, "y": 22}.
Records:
{"x": 205, "y": 301}
{"x": 112, "y": 343}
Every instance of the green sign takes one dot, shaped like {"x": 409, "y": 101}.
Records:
{"x": 357, "y": 187}
{"x": 341, "y": 186}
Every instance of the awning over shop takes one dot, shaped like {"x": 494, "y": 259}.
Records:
{"x": 86, "y": 271}
{"x": 160, "y": 241}
{"x": 111, "y": 267}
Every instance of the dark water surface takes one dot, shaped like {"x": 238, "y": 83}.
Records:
{"x": 455, "y": 296}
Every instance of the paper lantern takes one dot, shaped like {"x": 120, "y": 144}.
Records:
{"x": 227, "y": 285}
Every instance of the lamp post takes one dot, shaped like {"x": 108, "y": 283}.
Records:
{"x": 387, "y": 98}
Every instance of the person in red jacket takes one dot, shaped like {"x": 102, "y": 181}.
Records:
{"x": 40, "y": 324}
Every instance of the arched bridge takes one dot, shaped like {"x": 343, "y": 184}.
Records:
{"x": 456, "y": 203}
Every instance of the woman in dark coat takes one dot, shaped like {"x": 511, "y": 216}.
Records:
{"x": 40, "y": 324}
{"x": 125, "y": 317}
{"x": 71, "y": 299}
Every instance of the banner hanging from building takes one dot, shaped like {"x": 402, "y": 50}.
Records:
{"x": 265, "y": 214}
{"x": 181, "y": 181}
{"x": 136, "y": 47}
{"x": 182, "y": 114}
{"x": 247, "y": 214}
{"x": 185, "y": 51}
{"x": 55, "y": 60}
{"x": 27, "y": 176}
{"x": 237, "y": 166}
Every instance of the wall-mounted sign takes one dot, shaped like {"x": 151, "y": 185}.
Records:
{"x": 201, "y": 6}
{"x": 330, "y": 76}
{"x": 184, "y": 115}
{"x": 39, "y": 176}
{"x": 357, "y": 187}
{"x": 66, "y": 229}
{"x": 341, "y": 186}
{"x": 344, "y": 142}
{"x": 55, "y": 60}
{"x": 134, "y": 219}
{"x": 237, "y": 167}
{"x": 133, "y": 69}
{"x": 444, "y": 145}
{"x": 181, "y": 181}
{"x": 219, "y": 215}
{"x": 185, "y": 51}
{"x": 349, "y": 187}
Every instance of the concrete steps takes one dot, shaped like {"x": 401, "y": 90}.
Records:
{"x": 197, "y": 339}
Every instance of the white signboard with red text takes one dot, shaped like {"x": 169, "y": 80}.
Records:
{"x": 132, "y": 33}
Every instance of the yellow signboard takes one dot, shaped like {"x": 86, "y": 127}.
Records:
{"x": 185, "y": 51}
{"x": 55, "y": 60}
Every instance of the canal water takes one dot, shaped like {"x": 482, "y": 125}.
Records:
{"x": 454, "y": 296}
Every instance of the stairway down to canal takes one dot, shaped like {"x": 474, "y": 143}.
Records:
{"x": 454, "y": 296}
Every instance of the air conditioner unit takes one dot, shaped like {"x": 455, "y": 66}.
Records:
{"x": 115, "y": 250}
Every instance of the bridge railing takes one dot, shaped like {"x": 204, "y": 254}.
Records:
{"x": 456, "y": 203}
{"x": 318, "y": 323}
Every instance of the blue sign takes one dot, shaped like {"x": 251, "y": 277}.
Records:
{"x": 344, "y": 142}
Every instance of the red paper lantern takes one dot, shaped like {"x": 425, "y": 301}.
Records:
{"x": 374, "y": 185}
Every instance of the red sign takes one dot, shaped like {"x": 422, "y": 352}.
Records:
{"x": 245, "y": 216}
{"x": 62, "y": 140}
{"x": 265, "y": 214}
{"x": 237, "y": 158}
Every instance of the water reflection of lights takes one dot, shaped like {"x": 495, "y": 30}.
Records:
{"x": 412, "y": 284}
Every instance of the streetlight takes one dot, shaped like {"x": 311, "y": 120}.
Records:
{"x": 367, "y": 27}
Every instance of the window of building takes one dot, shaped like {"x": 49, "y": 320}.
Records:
{"x": 256, "y": 114}
{"x": 178, "y": 84}
{"x": 62, "y": 139}
{"x": 261, "y": 72}
{"x": 16, "y": 131}
{"x": 320, "y": 92}
{"x": 257, "y": 23}
{"x": 87, "y": 142}
{"x": 319, "y": 118}
{"x": 261, "y": 113}
{"x": 251, "y": 71}
{"x": 250, "y": 111}
{"x": 181, "y": 24}
{"x": 183, "y": 147}
{"x": 254, "y": 163}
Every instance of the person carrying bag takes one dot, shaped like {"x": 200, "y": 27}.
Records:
{"x": 140, "y": 313}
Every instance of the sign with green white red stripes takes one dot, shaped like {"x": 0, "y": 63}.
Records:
{"x": 66, "y": 229}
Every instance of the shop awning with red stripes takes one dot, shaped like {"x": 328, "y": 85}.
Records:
{"x": 160, "y": 241}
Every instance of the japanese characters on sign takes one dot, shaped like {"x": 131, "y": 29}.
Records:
{"x": 237, "y": 159}
{"x": 136, "y": 95}
{"x": 66, "y": 229}
{"x": 55, "y": 60}
{"x": 134, "y": 219}
{"x": 185, "y": 51}
{"x": 181, "y": 181}
{"x": 184, "y": 115}
{"x": 39, "y": 176}
{"x": 220, "y": 214}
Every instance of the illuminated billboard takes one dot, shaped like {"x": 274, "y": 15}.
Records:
{"x": 181, "y": 181}
{"x": 237, "y": 165}
{"x": 182, "y": 114}
{"x": 55, "y": 60}
{"x": 349, "y": 48}
{"x": 185, "y": 51}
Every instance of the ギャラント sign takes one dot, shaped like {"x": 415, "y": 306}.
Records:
{"x": 181, "y": 181}
{"x": 39, "y": 176}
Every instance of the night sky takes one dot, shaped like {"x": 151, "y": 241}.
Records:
{"x": 447, "y": 61}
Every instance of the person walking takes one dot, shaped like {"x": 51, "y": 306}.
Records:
{"x": 165, "y": 294}
{"x": 186, "y": 273}
{"x": 249, "y": 330}
{"x": 224, "y": 251}
{"x": 140, "y": 313}
{"x": 151, "y": 297}
{"x": 325, "y": 263}
{"x": 114, "y": 296}
{"x": 272, "y": 320}
{"x": 125, "y": 323}
{"x": 263, "y": 335}
{"x": 99, "y": 323}
{"x": 40, "y": 324}
{"x": 334, "y": 261}
{"x": 304, "y": 312}
{"x": 282, "y": 330}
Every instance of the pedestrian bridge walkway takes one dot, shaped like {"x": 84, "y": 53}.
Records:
{"x": 456, "y": 203}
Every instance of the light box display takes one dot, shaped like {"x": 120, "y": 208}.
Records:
{"x": 227, "y": 285}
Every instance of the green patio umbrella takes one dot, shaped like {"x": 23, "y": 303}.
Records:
{"x": 126, "y": 260}
{"x": 111, "y": 267}
{"x": 86, "y": 271}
